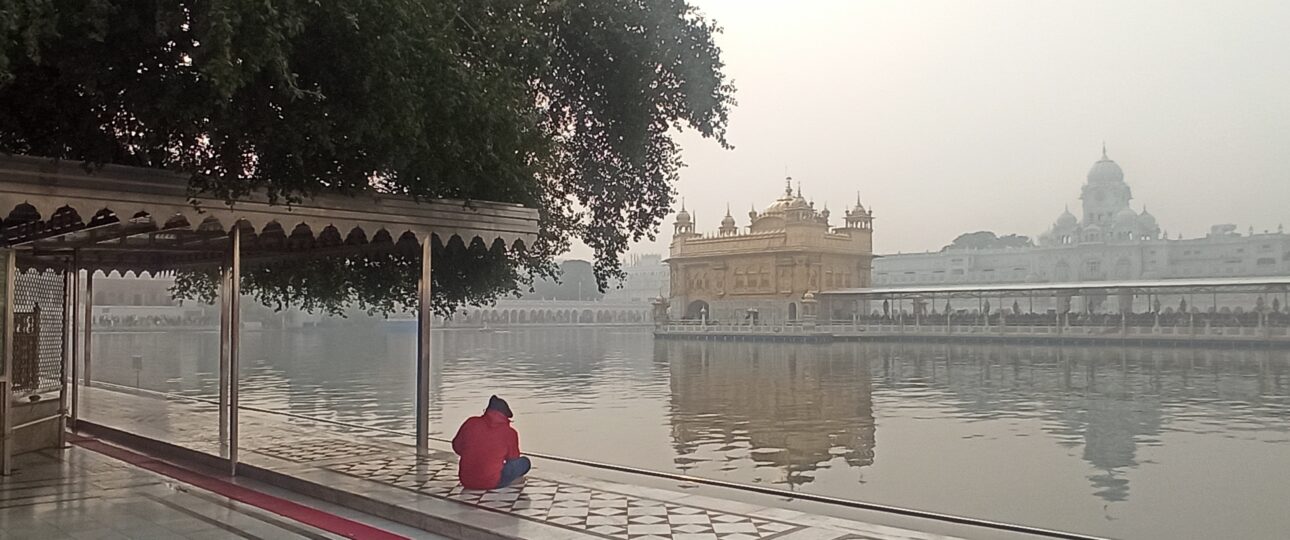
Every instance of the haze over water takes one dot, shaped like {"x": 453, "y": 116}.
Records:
{"x": 1123, "y": 442}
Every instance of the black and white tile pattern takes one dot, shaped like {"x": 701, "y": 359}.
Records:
{"x": 593, "y": 511}
{"x": 322, "y": 449}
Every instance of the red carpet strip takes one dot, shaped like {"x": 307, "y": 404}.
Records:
{"x": 310, "y": 516}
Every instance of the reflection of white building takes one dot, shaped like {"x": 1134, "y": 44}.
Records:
{"x": 1110, "y": 241}
{"x": 646, "y": 280}
{"x": 119, "y": 298}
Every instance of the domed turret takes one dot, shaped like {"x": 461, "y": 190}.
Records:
{"x": 728, "y": 227}
{"x": 1067, "y": 220}
{"x": 683, "y": 225}
{"x": 784, "y": 202}
{"x": 1126, "y": 219}
{"x": 858, "y": 217}
{"x": 1147, "y": 220}
{"x": 1105, "y": 171}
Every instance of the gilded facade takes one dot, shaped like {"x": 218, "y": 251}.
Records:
{"x": 786, "y": 252}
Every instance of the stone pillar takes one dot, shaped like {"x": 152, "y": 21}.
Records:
{"x": 810, "y": 310}
{"x": 660, "y": 311}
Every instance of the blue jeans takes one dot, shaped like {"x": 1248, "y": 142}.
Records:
{"x": 514, "y": 470}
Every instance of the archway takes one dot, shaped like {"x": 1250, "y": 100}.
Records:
{"x": 792, "y": 311}
{"x": 696, "y": 309}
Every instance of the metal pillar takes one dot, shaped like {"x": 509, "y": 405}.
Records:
{"x": 6, "y": 366}
{"x": 424, "y": 320}
{"x": 89, "y": 326}
{"x": 223, "y": 356}
{"x": 65, "y": 376}
{"x": 74, "y": 414}
{"x": 234, "y": 338}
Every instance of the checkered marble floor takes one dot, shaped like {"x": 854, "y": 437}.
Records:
{"x": 366, "y": 463}
{"x": 598, "y": 512}
{"x": 318, "y": 449}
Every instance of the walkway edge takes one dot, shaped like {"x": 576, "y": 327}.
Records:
{"x": 340, "y": 497}
{"x": 292, "y": 510}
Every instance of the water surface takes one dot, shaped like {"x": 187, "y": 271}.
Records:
{"x": 1124, "y": 442}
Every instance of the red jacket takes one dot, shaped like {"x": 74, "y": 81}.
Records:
{"x": 485, "y": 443}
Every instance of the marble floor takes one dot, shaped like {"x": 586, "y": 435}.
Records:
{"x": 547, "y": 505}
{"x": 76, "y": 493}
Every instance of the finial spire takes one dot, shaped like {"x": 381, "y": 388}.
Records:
{"x": 727, "y": 209}
{"x": 788, "y": 186}
{"x": 799, "y": 188}
{"x": 682, "y": 204}
{"x": 1104, "y": 150}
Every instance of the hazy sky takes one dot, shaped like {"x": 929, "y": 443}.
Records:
{"x": 956, "y": 116}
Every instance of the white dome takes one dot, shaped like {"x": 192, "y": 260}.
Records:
{"x": 1126, "y": 219}
{"x": 1105, "y": 171}
{"x": 1066, "y": 220}
{"x": 1147, "y": 220}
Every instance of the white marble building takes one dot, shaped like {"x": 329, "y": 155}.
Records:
{"x": 1110, "y": 241}
{"x": 647, "y": 279}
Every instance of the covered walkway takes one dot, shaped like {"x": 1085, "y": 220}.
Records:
{"x": 62, "y": 223}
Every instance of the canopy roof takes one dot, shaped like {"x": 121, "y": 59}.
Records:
{"x": 139, "y": 219}
{"x": 1170, "y": 286}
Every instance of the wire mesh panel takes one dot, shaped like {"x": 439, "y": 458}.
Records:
{"x": 38, "y": 332}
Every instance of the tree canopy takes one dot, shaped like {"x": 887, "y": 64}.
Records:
{"x": 567, "y": 106}
{"x": 988, "y": 240}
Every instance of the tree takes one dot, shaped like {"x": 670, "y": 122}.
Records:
{"x": 569, "y": 107}
{"x": 988, "y": 240}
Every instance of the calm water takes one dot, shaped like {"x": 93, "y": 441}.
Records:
{"x": 1123, "y": 442}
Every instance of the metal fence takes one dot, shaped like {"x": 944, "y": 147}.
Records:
{"x": 38, "y": 337}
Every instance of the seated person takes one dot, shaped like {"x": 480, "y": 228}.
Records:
{"x": 490, "y": 449}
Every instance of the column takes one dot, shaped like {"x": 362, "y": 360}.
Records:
{"x": 89, "y": 324}
{"x": 6, "y": 363}
{"x": 65, "y": 372}
{"x": 234, "y": 318}
{"x": 223, "y": 355}
{"x": 425, "y": 312}
{"x": 73, "y": 370}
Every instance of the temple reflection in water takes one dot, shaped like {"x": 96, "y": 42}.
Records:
{"x": 798, "y": 407}
{"x": 789, "y": 407}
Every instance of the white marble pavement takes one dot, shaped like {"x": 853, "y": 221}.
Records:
{"x": 380, "y": 472}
